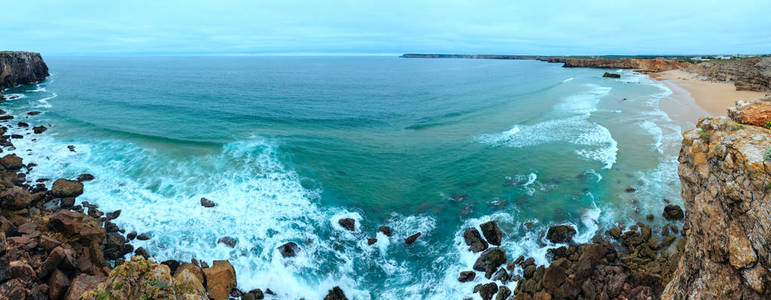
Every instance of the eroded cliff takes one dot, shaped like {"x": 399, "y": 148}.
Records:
{"x": 18, "y": 67}
{"x": 725, "y": 171}
{"x": 640, "y": 64}
{"x": 747, "y": 74}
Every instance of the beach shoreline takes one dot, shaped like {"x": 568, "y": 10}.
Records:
{"x": 694, "y": 97}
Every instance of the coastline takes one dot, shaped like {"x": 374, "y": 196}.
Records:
{"x": 694, "y": 97}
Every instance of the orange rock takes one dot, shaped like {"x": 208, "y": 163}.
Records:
{"x": 220, "y": 279}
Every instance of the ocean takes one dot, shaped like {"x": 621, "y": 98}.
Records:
{"x": 287, "y": 146}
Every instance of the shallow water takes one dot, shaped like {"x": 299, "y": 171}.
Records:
{"x": 286, "y": 146}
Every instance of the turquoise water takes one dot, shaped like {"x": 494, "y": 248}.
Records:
{"x": 286, "y": 146}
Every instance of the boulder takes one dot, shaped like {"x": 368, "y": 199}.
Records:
{"x": 560, "y": 233}
{"x": 503, "y": 293}
{"x": 490, "y": 260}
{"x": 220, "y": 279}
{"x": 673, "y": 212}
{"x": 491, "y": 232}
{"x": 52, "y": 261}
{"x": 66, "y": 188}
{"x": 487, "y": 290}
{"x": 466, "y": 276}
{"x": 347, "y": 223}
{"x": 66, "y": 221}
{"x": 21, "y": 270}
{"x": 207, "y": 203}
{"x": 15, "y": 198}
{"x": 611, "y": 75}
{"x": 474, "y": 240}
{"x": 411, "y": 239}
{"x": 82, "y": 283}
{"x": 255, "y": 294}
{"x": 371, "y": 241}
{"x": 336, "y": 293}
{"x": 39, "y": 129}
{"x": 228, "y": 241}
{"x": 85, "y": 177}
{"x": 385, "y": 230}
{"x": 189, "y": 283}
{"x": 11, "y": 162}
{"x": 193, "y": 269}
{"x": 58, "y": 284}
{"x": 289, "y": 249}
{"x": 143, "y": 237}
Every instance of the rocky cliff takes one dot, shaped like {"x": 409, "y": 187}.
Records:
{"x": 725, "y": 171}
{"x": 640, "y": 64}
{"x": 747, "y": 74}
{"x": 17, "y": 67}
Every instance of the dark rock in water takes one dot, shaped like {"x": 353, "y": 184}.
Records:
{"x": 411, "y": 239}
{"x": 131, "y": 235}
{"x": 71, "y": 147}
{"x": 23, "y": 124}
{"x": 39, "y": 129}
{"x": 116, "y": 246}
{"x": 85, "y": 177}
{"x": 503, "y": 293}
{"x": 143, "y": 237}
{"x": 255, "y": 294}
{"x": 347, "y": 223}
{"x": 474, "y": 240}
{"x": 141, "y": 252}
{"x": 113, "y": 215}
{"x": 501, "y": 275}
{"x": 289, "y": 249}
{"x": 111, "y": 227}
{"x": 228, "y": 241}
{"x": 66, "y": 188}
{"x": 673, "y": 212}
{"x": 11, "y": 162}
{"x": 371, "y": 241}
{"x": 207, "y": 203}
{"x": 385, "y": 230}
{"x": 33, "y": 113}
{"x": 67, "y": 202}
{"x": 467, "y": 276}
{"x": 17, "y": 136}
{"x": 614, "y": 232}
{"x": 492, "y": 232}
{"x": 630, "y": 190}
{"x": 172, "y": 264}
{"x": 560, "y": 233}
{"x": 269, "y": 292}
{"x": 611, "y": 75}
{"x": 487, "y": 290}
{"x": 6, "y": 117}
{"x": 649, "y": 217}
{"x": 490, "y": 260}
{"x": 335, "y": 294}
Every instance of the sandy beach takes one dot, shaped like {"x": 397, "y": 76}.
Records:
{"x": 711, "y": 96}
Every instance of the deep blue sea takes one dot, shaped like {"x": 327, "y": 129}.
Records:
{"x": 286, "y": 146}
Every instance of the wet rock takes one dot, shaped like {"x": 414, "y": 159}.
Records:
{"x": 39, "y": 129}
{"x": 142, "y": 252}
{"x": 385, "y": 230}
{"x": 255, "y": 294}
{"x": 474, "y": 240}
{"x": 143, "y": 237}
{"x": 85, "y": 177}
{"x": 22, "y": 124}
{"x": 611, "y": 75}
{"x": 487, "y": 290}
{"x": 560, "y": 233}
{"x": 673, "y": 212}
{"x": 113, "y": 215}
{"x": 66, "y": 188}
{"x": 207, "y": 203}
{"x": 336, "y": 293}
{"x": 630, "y": 190}
{"x": 503, "y": 293}
{"x": 228, "y": 241}
{"x": 411, "y": 239}
{"x": 116, "y": 246}
{"x": 347, "y": 223}
{"x": 11, "y": 162}
{"x": 501, "y": 275}
{"x": 17, "y": 136}
{"x": 289, "y": 249}
{"x": 467, "y": 276}
{"x": 71, "y": 148}
{"x": 649, "y": 217}
{"x": 490, "y": 260}
{"x": 371, "y": 241}
{"x": 33, "y": 113}
{"x": 131, "y": 235}
{"x": 491, "y": 232}
{"x": 220, "y": 278}
{"x": 67, "y": 202}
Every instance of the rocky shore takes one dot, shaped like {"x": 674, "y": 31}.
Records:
{"x": 18, "y": 67}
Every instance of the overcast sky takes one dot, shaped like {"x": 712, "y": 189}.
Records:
{"x": 548, "y": 27}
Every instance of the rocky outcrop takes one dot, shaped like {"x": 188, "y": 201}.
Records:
{"x": 756, "y": 113}
{"x": 17, "y": 67}
{"x": 752, "y": 74}
{"x": 725, "y": 172}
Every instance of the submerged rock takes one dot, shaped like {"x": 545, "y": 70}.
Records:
{"x": 347, "y": 223}
{"x": 673, "y": 212}
{"x": 560, "y": 233}
{"x": 467, "y": 276}
{"x": 411, "y": 239}
{"x": 289, "y": 249}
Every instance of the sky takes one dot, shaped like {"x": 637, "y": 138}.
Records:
{"x": 386, "y": 27}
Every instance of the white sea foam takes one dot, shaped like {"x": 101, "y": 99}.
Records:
{"x": 568, "y": 80}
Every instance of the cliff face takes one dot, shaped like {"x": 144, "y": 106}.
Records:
{"x": 642, "y": 64}
{"x": 726, "y": 189}
{"x": 747, "y": 74}
{"x": 18, "y": 67}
